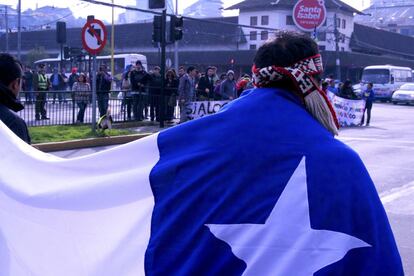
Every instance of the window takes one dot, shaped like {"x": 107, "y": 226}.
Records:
{"x": 343, "y": 24}
{"x": 265, "y": 20}
{"x": 264, "y": 35}
{"x": 322, "y": 47}
{"x": 252, "y": 47}
{"x": 342, "y": 49}
{"x": 401, "y": 75}
{"x": 338, "y": 22}
{"x": 253, "y": 35}
{"x": 253, "y": 20}
{"x": 289, "y": 20}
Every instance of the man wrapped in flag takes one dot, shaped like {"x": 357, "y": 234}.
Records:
{"x": 260, "y": 188}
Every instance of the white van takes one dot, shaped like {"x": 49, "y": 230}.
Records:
{"x": 386, "y": 79}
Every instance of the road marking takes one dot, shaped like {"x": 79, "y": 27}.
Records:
{"x": 390, "y": 140}
{"x": 397, "y": 193}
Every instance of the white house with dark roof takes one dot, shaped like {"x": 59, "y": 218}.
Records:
{"x": 278, "y": 15}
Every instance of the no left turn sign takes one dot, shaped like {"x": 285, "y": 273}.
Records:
{"x": 94, "y": 36}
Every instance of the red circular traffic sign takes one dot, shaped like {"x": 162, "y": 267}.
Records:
{"x": 94, "y": 36}
{"x": 309, "y": 14}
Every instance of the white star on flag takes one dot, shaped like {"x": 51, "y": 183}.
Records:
{"x": 286, "y": 244}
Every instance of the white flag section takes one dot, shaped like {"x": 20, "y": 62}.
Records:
{"x": 85, "y": 216}
{"x": 348, "y": 112}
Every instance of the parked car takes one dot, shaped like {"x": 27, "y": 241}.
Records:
{"x": 404, "y": 95}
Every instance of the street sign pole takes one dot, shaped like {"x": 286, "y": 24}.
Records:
{"x": 94, "y": 93}
{"x": 94, "y": 37}
{"x": 163, "y": 58}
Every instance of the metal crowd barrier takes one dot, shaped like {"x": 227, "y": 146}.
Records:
{"x": 62, "y": 107}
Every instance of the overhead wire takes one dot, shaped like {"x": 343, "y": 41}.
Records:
{"x": 185, "y": 17}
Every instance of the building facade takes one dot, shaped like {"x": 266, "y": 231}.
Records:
{"x": 278, "y": 15}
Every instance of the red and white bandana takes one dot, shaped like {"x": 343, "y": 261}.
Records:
{"x": 301, "y": 75}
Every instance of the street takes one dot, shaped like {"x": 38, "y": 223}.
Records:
{"x": 387, "y": 148}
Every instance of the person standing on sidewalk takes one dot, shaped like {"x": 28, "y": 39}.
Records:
{"x": 28, "y": 85}
{"x": 41, "y": 84}
{"x": 10, "y": 80}
{"x": 57, "y": 80}
{"x": 369, "y": 97}
{"x": 103, "y": 87}
{"x": 186, "y": 92}
{"x": 228, "y": 87}
{"x": 139, "y": 83}
{"x": 82, "y": 91}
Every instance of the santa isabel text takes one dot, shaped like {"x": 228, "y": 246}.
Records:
{"x": 309, "y": 13}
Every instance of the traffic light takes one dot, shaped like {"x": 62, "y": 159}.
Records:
{"x": 157, "y": 29}
{"x": 66, "y": 52}
{"x": 61, "y": 32}
{"x": 176, "y": 28}
{"x": 156, "y": 4}
{"x": 72, "y": 52}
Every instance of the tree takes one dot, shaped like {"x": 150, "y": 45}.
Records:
{"x": 35, "y": 55}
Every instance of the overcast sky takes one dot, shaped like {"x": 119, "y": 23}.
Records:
{"x": 82, "y": 9}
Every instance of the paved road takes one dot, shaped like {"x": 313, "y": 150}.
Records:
{"x": 387, "y": 149}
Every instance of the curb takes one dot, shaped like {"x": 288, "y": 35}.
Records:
{"x": 89, "y": 143}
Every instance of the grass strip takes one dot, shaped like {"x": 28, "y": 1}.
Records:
{"x": 48, "y": 134}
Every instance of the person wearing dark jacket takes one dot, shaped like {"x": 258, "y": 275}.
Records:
{"x": 155, "y": 94}
{"x": 347, "y": 91}
{"x": 10, "y": 78}
{"x": 205, "y": 89}
{"x": 139, "y": 83}
{"x": 171, "y": 93}
{"x": 228, "y": 87}
{"x": 103, "y": 87}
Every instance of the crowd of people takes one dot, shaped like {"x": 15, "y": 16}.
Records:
{"x": 346, "y": 91}
{"x": 141, "y": 90}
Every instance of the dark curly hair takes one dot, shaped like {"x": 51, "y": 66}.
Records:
{"x": 284, "y": 50}
{"x": 10, "y": 69}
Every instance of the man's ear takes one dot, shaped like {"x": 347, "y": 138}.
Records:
{"x": 14, "y": 86}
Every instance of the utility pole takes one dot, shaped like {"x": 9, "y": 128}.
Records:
{"x": 338, "y": 60}
{"x": 112, "y": 45}
{"x": 176, "y": 60}
{"x": 19, "y": 30}
{"x": 7, "y": 28}
{"x": 163, "y": 58}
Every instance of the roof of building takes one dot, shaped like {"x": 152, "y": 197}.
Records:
{"x": 197, "y": 33}
{"x": 377, "y": 41}
{"x": 205, "y": 8}
{"x": 288, "y": 4}
{"x": 386, "y": 15}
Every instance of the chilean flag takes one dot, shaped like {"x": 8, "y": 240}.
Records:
{"x": 260, "y": 188}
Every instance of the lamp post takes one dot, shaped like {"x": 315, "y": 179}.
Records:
{"x": 176, "y": 59}
{"x": 19, "y": 31}
{"x": 337, "y": 60}
{"x": 112, "y": 44}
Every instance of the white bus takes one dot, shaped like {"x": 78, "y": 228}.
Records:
{"x": 386, "y": 79}
{"x": 120, "y": 63}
